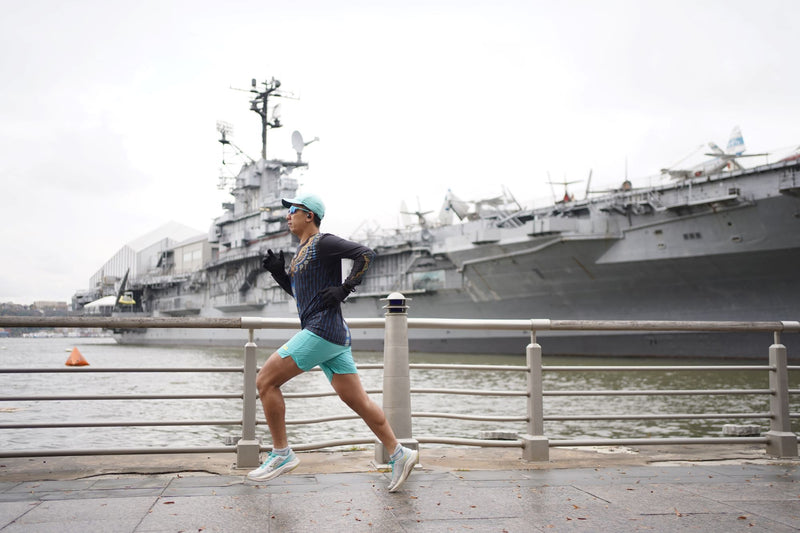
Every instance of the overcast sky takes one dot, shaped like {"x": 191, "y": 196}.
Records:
{"x": 109, "y": 108}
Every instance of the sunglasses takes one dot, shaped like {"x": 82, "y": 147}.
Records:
{"x": 294, "y": 209}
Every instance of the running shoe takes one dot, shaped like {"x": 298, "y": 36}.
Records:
{"x": 402, "y": 467}
{"x": 274, "y": 466}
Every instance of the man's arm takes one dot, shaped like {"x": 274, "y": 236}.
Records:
{"x": 276, "y": 266}
{"x": 338, "y": 248}
{"x": 283, "y": 280}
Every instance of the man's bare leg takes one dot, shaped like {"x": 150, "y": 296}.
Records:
{"x": 275, "y": 372}
{"x": 351, "y": 391}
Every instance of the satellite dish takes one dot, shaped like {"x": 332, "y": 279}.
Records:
{"x": 297, "y": 142}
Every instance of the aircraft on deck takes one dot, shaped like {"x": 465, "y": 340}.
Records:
{"x": 722, "y": 160}
{"x": 792, "y": 157}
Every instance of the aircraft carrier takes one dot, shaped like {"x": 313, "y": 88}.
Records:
{"x": 710, "y": 244}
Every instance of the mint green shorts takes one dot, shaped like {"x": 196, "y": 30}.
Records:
{"x": 308, "y": 350}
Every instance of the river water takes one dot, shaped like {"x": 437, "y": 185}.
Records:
{"x": 104, "y": 352}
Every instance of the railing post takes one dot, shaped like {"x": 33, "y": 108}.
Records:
{"x": 396, "y": 381}
{"x": 535, "y": 446}
{"x": 782, "y": 442}
{"x": 248, "y": 448}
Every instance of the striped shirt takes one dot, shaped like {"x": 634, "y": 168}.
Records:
{"x": 317, "y": 264}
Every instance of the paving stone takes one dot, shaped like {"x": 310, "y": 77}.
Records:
{"x": 131, "y": 483}
{"x": 749, "y": 490}
{"x": 762, "y": 472}
{"x": 604, "y": 476}
{"x": 53, "y": 486}
{"x": 19, "y": 497}
{"x": 654, "y": 498}
{"x": 490, "y": 475}
{"x": 448, "y": 503}
{"x": 623, "y": 476}
{"x": 786, "y": 513}
{"x": 243, "y": 514}
{"x": 7, "y": 485}
{"x": 355, "y": 509}
{"x": 565, "y": 506}
{"x": 225, "y": 490}
{"x": 10, "y": 511}
{"x": 510, "y": 525}
{"x": 352, "y": 479}
{"x": 205, "y": 481}
{"x": 76, "y": 526}
{"x": 711, "y": 523}
{"x": 99, "y": 494}
{"x": 102, "y": 515}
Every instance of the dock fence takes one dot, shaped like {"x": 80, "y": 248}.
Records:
{"x": 397, "y": 391}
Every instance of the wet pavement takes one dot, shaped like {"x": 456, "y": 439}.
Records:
{"x": 660, "y": 488}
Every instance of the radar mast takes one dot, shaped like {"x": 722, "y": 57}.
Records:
{"x": 260, "y": 104}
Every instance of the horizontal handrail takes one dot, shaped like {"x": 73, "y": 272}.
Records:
{"x": 116, "y": 322}
{"x": 319, "y": 420}
{"x": 88, "y": 397}
{"x": 535, "y": 324}
{"x": 661, "y": 441}
{"x": 327, "y": 444}
{"x": 91, "y": 369}
{"x": 671, "y": 416}
{"x": 634, "y": 368}
{"x": 456, "y": 441}
{"x": 75, "y": 452}
{"x": 601, "y": 325}
{"x": 656, "y": 392}
{"x": 470, "y": 392}
{"x": 673, "y": 325}
{"x": 479, "y": 418}
{"x": 121, "y": 423}
{"x": 493, "y": 368}
{"x": 321, "y": 394}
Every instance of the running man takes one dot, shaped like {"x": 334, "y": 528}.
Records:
{"x": 314, "y": 279}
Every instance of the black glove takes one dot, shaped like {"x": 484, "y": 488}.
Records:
{"x": 333, "y": 296}
{"x": 272, "y": 263}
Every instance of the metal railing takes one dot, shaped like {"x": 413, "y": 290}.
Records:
{"x": 397, "y": 390}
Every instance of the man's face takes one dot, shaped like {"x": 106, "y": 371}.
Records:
{"x": 298, "y": 218}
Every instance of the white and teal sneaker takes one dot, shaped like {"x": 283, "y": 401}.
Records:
{"x": 402, "y": 467}
{"x": 274, "y": 466}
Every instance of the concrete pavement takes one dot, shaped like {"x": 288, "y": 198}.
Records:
{"x": 658, "y": 488}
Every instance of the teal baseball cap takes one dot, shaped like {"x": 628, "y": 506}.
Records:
{"x": 311, "y": 201}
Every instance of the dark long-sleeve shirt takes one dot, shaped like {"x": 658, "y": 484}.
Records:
{"x": 317, "y": 264}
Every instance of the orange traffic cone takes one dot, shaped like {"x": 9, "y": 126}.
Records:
{"x": 76, "y": 359}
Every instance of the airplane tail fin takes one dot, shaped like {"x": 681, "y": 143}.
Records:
{"x": 459, "y": 207}
{"x": 736, "y": 142}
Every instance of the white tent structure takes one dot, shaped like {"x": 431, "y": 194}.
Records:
{"x": 102, "y": 307}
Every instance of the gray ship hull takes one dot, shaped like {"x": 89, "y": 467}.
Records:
{"x": 737, "y": 287}
{"x": 744, "y": 346}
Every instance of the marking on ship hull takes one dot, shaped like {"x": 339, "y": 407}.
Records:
{"x": 591, "y": 276}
